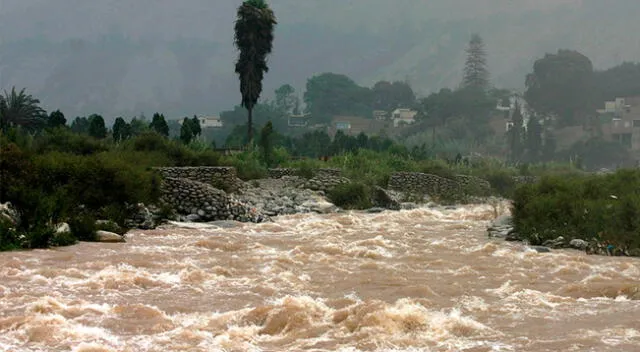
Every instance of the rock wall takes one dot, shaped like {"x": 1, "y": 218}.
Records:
{"x": 281, "y": 172}
{"x": 222, "y": 177}
{"x": 416, "y": 182}
{"x": 202, "y": 202}
{"x": 472, "y": 184}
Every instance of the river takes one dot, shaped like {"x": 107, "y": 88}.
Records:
{"x": 418, "y": 280}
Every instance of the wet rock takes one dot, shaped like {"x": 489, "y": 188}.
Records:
{"x": 193, "y": 218}
{"x": 383, "y": 198}
{"x": 320, "y": 206}
{"x": 513, "y": 236}
{"x": 408, "y": 206}
{"x": 504, "y": 220}
{"x": 108, "y": 237}
{"x": 557, "y": 243}
{"x": 62, "y": 228}
{"x": 9, "y": 214}
{"x": 540, "y": 249}
{"x": 375, "y": 210}
{"x": 579, "y": 244}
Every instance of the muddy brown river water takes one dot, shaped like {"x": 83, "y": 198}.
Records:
{"x": 419, "y": 280}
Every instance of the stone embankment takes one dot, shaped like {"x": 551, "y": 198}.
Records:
{"x": 436, "y": 186}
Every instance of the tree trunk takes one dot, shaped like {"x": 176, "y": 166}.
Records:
{"x": 250, "y": 126}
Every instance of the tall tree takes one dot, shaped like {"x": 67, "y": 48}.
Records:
{"x": 266, "y": 142}
{"x": 196, "y": 129}
{"x": 286, "y": 100}
{"x": 331, "y": 94}
{"x": 159, "y": 124}
{"x": 562, "y": 84}
{"x": 516, "y": 135}
{"x": 186, "y": 133}
{"x": 56, "y": 119}
{"x": 254, "y": 27}
{"x": 97, "y": 129}
{"x": 534, "y": 139}
{"x": 388, "y": 96}
{"x": 20, "y": 109}
{"x": 80, "y": 125}
{"x": 476, "y": 74}
{"x": 121, "y": 130}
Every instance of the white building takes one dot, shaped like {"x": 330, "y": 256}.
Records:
{"x": 208, "y": 121}
{"x": 403, "y": 117}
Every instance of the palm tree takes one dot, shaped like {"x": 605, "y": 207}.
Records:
{"x": 254, "y": 28}
{"x": 20, "y": 109}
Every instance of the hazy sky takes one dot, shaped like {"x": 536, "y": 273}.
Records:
{"x": 128, "y": 56}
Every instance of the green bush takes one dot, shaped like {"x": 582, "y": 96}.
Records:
{"x": 63, "y": 140}
{"x": 351, "y": 196}
{"x": 604, "y": 208}
{"x": 247, "y": 165}
{"x": 83, "y": 227}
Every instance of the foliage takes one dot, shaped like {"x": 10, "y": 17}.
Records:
{"x": 20, "y": 109}
{"x": 63, "y": 140}
{"x": 562, "y": 84}
{"x": 80, "y": 125}
{"x": 604, "y": 208}
{"x": 254, "y": 29}
{"x": 351, "y": 196}
{"x": 266, "y": 143}
{"x": 56, "y": 119}
{"x": 83, "y": 226}
{"x": 388, "y": 96}
{"x": 330, "y": 94}
{"x": 597, "y": 153}
{"x": 159, "y": 125}
{"x": 286, "y": 100}
{"x": 97, "y": 128}
{"x": 247, "y": 165}
{"x": 476, "y": 74}
{"x": 121, "y": 130}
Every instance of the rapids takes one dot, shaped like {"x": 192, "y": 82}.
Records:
{"x": 419, "y": 280}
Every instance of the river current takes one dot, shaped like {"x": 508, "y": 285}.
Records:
{"x": 418, "y": 280}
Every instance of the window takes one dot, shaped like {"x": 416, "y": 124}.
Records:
{"x": 636, "y": 123}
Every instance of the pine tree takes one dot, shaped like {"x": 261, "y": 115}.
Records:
{"x": 159, "y": 124}
{"x": 476, "y": 74}
{"x": 515, "y": 135}
{"x": 186, "y": 133}
{"x": 534, "y": 139}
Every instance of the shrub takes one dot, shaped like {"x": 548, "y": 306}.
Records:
{"x": 83, "y": 227}
{"x": 351, "y": 196}
{"x": 605, "y": 208}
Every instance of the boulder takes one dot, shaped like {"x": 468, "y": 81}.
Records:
{"x": 62, "y": 228}
{"x": 385, "y": 199}
{"x": 320, "y": 206}
{"x": 108, "y": 237}
{"x": 8, "y": 213}
{"x": 557, "y": 243}
{"x": 540, "y": 249}
{"x": 578, "y": 244}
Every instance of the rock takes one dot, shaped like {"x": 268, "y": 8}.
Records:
{"x": 557, "y": 243}
{"x": 578, "y": 244}
{"x": 513, "y": 236}
{"x": 504, "y": 220}
{"x": 108, "y": 237}
{"x": 408, "y": 206}
{"x": 62, "y": 228}
{"x": 635, "y": 252}
{"x": 320, "y": 206}
{"x": 375, "y": 210}
{"x": 192, "y": 217}
{"x": 540, "y": 249}
{"x": 8, "y": 213}
{"x": 385, "y": 199}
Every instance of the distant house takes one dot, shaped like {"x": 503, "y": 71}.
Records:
{"x": 354, "y": 125}
{"x": 621, "y": 121}
{"x": 207, "y": 121}
{"x": 403, "y": 117}
{"x": 380, "y": 115}
{"x": 299, "y": 120}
